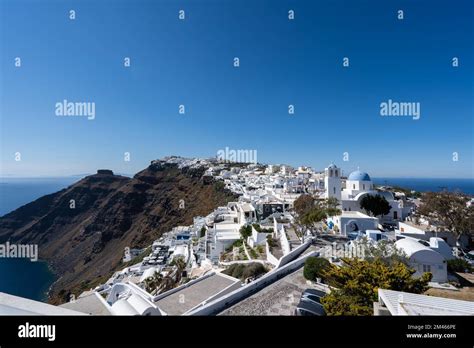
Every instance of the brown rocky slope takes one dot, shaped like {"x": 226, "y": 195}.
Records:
{"x": 111, "y": 212}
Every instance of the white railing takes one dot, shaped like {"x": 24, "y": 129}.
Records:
{"x": 245, "y": 291}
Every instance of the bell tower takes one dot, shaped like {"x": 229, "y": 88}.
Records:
{"x": 332, "y": 181}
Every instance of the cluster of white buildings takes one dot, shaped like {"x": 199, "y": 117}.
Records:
{"x": 266, "y": 195}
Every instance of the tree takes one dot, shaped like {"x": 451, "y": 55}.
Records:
{"x": 449, "y": 211}
{"x": 383, "y": 250}
{"x": 314, "y": 267}
{"x": 180, "y": 265}
{"x": 375, "y": 205}
{"x": 357, "y": 282}
{"x": 313, "y": 216}
{"x": 310, "y": 211}
{"x": 331, "y": 206}
{"x": 153, "y": 283}
{"x": 459, "y": 265}
{"x": 303, "y": 204}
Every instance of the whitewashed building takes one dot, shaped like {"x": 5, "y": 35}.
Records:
{"x": 424, "y": 259}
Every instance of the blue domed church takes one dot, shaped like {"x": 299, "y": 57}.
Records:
{"x": 357, "y": 185}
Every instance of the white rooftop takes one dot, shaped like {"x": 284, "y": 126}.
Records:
{"x": 356, "y": 214}
{"x": 405, "y": 303}
{"x": 15, "y": 305}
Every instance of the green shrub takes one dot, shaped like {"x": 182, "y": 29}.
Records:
{"x": 246, "y": 231}
{"x": 258, "y": 228}
{"x": 253, "y": 270}
{"x": 272, "y": 242}
{"x": 244, "y": 271}
{"x": 314, "y": 267}
{"x": 253, "y": 253}
{"x": 459, "y": 265}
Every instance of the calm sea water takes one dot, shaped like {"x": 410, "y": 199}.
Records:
{"x": 15, "y": 192}
{"x": 434, "y": 185}
{"x": 22, "y": 277}
{"x": 32, "y": 279}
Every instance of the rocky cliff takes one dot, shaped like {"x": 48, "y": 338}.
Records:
{"x": 82, "y": 230}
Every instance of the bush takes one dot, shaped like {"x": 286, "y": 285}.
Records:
{"x": 235, "y": 270}
{"x": 272, "y": 242}
{"x": 203, "y": 231}
{"x": 314, "y": 267}
{"x": 246, "y": 231}
{"x": 357, "y": 282}
{"x": 237, "y": 244}
{"x": 459, "y": 265}
{"x": 253, "y": 270}
{"x": 244, "y": 271}
{"x": 258, "y": 228}
{"x": 253, "y": 253}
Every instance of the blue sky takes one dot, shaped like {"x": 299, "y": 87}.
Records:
{"x": 282, "y": 62}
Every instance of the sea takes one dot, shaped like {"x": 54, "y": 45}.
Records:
{"x": 32, "y": 280}
{"x": 22, "y": 277}
{"x": 434, "y": 184}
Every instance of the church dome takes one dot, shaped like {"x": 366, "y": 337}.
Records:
{"x": 359, "y": 176}
{"x": 387, "y": 195}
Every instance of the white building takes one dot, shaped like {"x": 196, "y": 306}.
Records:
{"x": 129, "y": 299}
{"x": 257, "y": 238}
{"x": 404, "y": 303}
{"x": 357, "y": 186}
{"x": 423, "y": 259}
{"x": 15, "y": 305}
{"x": 332, "y": 182}
{"x": 352, "y": 221}
{"x": 425, "y": 231}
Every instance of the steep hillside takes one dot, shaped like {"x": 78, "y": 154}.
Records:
{"x": 110, "y": 213}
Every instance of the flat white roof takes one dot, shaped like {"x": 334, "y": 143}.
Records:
{"x": 15, "y": 305}
{"x": 196, "y": 293}
{"x": 405, "y": 303}
{"x": 356, "y": 214}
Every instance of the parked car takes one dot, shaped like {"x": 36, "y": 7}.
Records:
{"x": 310, "y": 303}
{"x": 469, "y": 257}
{"x": 309, "y": 308}
{"x": 388, "y": 227}
{"x": 312, "y": 295}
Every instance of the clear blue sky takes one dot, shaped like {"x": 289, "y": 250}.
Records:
{"x": 283, "y": 62}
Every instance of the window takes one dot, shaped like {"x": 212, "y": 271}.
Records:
{"x": 426, "y": 268}
{"x": 363, "y": 186}
{"x": 353, "y": 186}
{"x": 334, "y": 190}
{"x": 314, "y": 298}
